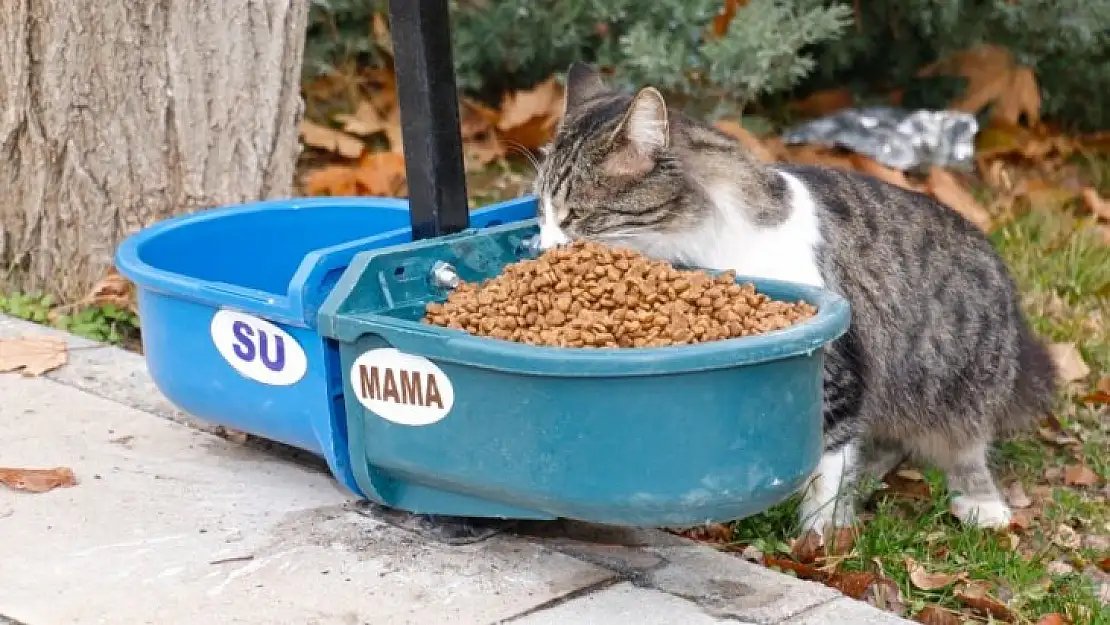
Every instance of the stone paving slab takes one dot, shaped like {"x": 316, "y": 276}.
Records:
{"x": 843, "y": 610}
{"x": 625, "y": 604}
{"x": 171, "y": 524}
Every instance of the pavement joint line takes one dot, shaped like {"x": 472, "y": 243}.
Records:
{"x": 816, "y": 607}
{"x": 560, "y": 600}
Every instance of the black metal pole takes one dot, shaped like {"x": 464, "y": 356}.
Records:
{"x": 429, "y": 116}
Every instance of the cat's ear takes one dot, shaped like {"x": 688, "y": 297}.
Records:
{"x": 583, "y": 83}
{"x": 645, "y": 125}
{"x": 643, "y": 131}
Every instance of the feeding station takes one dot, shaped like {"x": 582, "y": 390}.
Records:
{"x": 298, "y": 320}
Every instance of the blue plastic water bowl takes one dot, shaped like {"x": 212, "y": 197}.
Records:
{"x": 229, "y": 297}
{"x": 443, "y": 422}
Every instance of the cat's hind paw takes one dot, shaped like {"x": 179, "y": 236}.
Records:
{"x": 990, "y": 513}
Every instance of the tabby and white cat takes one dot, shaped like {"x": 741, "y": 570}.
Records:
{"x": 939, "y": 360}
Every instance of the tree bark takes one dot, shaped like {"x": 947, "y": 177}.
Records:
{"x": 115, "y": 114}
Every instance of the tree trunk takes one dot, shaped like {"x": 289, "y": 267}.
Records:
{"x": 115, "y": 114}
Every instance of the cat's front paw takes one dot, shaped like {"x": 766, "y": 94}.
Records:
{"x": 825, "y": 517}
{"x": 990, "y": 513}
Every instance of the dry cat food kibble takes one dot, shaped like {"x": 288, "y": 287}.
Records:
{"x": 589, "y": 295}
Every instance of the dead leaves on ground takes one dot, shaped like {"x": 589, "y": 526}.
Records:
{"x": 1080, "y": 475}
{"x": 977, "y": 596}
{"x": 945, "y": 187}
{"x": 994, "y": 79}
{"x": 368, "y": 142}
{"x": 934, "y": 615}
{"x": 112, "y": 290}
{"x": 37, "y": 480}
{"x": 32, "y": 355}
{"x": 923, "y": 580}
{"x": 1070, "y": 366}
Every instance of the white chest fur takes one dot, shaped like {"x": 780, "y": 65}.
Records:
{"x": 786, "y": 251}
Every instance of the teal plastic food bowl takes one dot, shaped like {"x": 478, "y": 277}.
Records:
{"x": 442, "y": 422}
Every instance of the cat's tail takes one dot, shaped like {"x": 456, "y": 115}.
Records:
{"x": 1035, "y": 386}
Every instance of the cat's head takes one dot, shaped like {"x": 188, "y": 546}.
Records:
{"x": 610, "y": 173}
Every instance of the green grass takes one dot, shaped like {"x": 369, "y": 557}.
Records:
{"x": 1063, "y": 269}
{"x": 105, "y": 324}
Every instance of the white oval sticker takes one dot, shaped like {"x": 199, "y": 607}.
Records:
{"x": 258, "y": 349}
{"x": 402, "y": 388}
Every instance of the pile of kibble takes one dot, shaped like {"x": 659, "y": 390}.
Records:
{"x": 588, "y": 295}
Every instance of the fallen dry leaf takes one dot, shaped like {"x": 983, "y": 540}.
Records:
{"x": 884, "y": 593}
{"x": 913, "y": 487}
{"x": 1044, "y": 196}
{"x": 333, "y": 180}
{"x": 824, "y": 102}
{"x": 993, "y": 77}
{"x": 1016, "y": 497}
{"x": 934, "y": 615}
{"x": 1101, "y": 394}
{"x": 35, "y": 355}
{"x": 1080, "y": 475}
{"x": 1069, "y": 362}
{"x": 376, "y": 174}
{"x": 746, "y": 139}
{"x": 330, "y": 139}
{"x": 949, "y": 191}
{"x": 1022, "y": 520}
{"x": 840, "y": 541}
{"x": 38, "y": 480}
{"x": 1099, "y": 206}
{"x": 482, "y": 152}
{"x": 977, "y": 596}
{"x": 808, "y": 548}
{"x": 529, "y": 117}
{"x": 1059, "y": 567}
{"x": 365, "y": 121}
{"x": 910, "y": 474}
{"x": 1066, "y": 537}
{"x": 923, "y": 580}
{"x": 1022, "y": 97}
{"x": 1057, "y": 437}
{"x": 852, "y": 585}
{"x": 724, "y": 16}
{"x": 751, "y": 554}
{"x": 113, "y": 289}
{"x": 1053, "y": 619}
{"x": 1104, "y": 564}
{"x": 476, "y": 119}
{"x": 380, "y": 29}
{"x": 710, "y": 532}
{"x": 876, "y": 169}
{"x": 1001, "y": 139}
{"x": 803, "y": 571}
{"x": 381, "y": 173}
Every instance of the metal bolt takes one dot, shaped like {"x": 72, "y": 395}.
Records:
{"x": 532, "y": 244}
{"x": 444, "y": 275}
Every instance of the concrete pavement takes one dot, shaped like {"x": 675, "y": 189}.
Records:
{"x": 171, "y": 524}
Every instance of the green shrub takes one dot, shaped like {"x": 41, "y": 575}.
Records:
{"x": 773, "y": 48}
{"x": 507, "y": 44}
{"x": 1066, "y": 42}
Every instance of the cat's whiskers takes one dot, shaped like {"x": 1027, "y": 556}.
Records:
{"x": 525, "y": 152}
